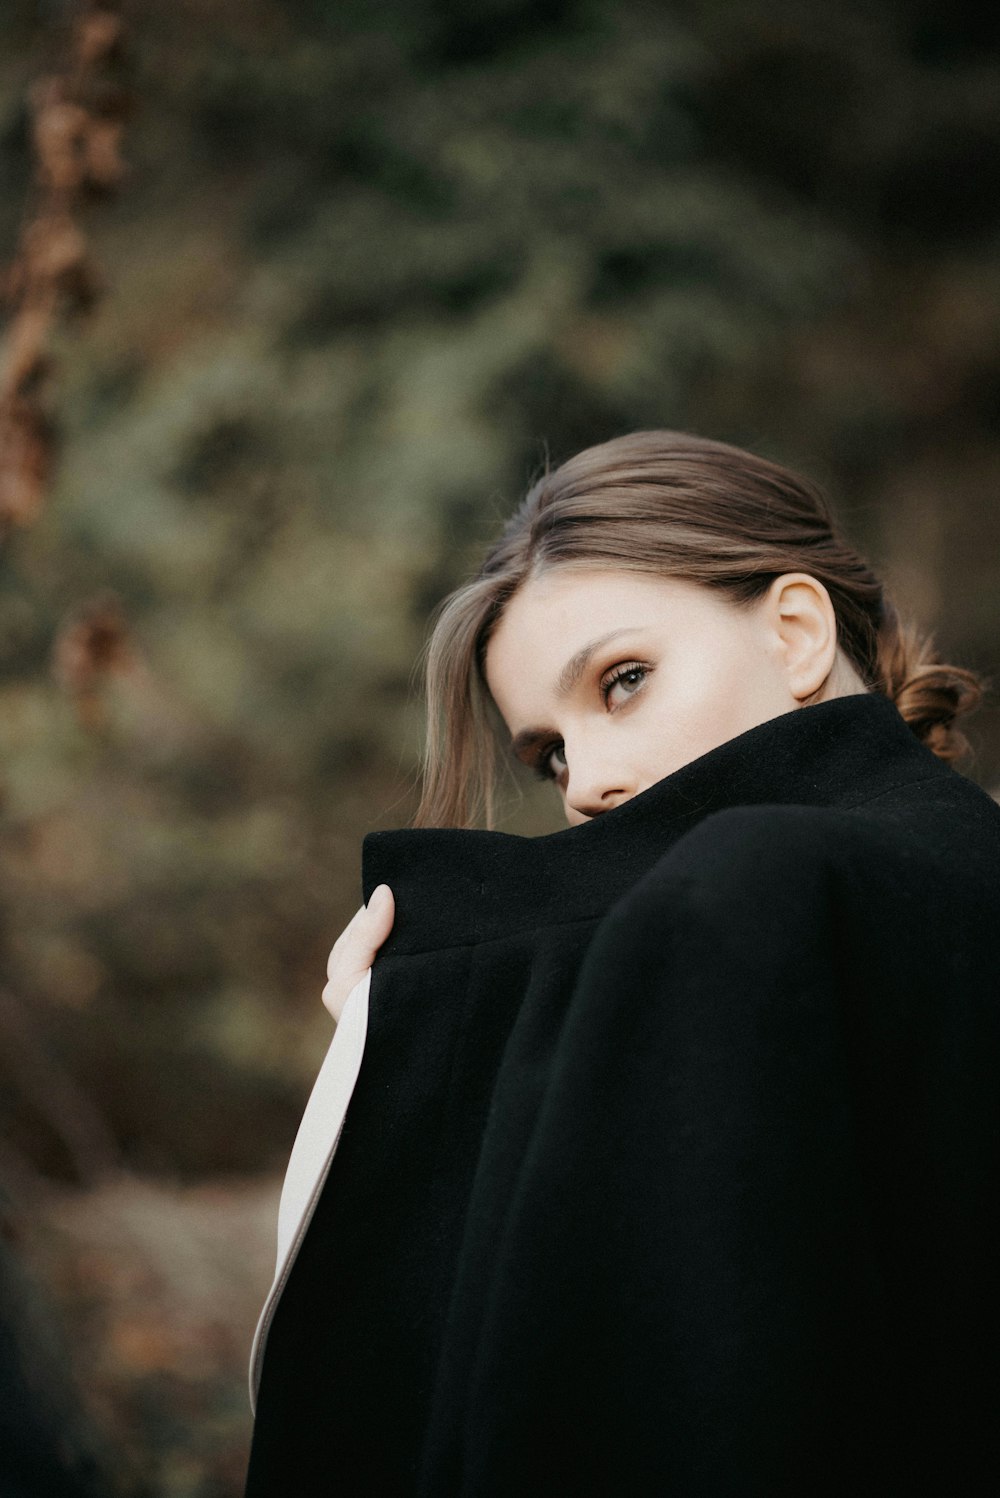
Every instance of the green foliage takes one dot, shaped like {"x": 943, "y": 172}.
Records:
{"x": 373, "y": 265}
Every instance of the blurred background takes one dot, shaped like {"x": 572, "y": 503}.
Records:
{"x": 299, "y": 295}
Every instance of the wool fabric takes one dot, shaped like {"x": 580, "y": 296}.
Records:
{"x": 673, "y": 1164}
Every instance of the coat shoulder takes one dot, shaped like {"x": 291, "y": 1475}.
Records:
{"x": 781, "y": 874}
{"x": 766, "y": 870}
{"x": 755, "y": 855}
{"x": 729, "y": 843}
{"x": 893, "y": 842}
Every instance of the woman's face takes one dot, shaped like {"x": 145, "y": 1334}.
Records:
{"x": 610, "y": 680}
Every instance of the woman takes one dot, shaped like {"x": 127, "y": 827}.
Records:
{"x": 671, "y": 1164}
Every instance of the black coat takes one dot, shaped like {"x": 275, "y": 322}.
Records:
{"x": 674, "y": 1162}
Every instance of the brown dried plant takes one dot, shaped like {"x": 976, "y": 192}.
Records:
{"x": 77, "y": 119}
{"x": 92, "y": 644}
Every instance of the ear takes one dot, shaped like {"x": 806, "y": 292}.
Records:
{"x": 804, "y": 627}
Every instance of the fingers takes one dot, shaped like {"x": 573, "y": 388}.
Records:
{"x": 357, "y": 946}
{"x": 380, "y": 912}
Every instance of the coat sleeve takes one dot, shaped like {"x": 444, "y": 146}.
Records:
{"x": 695, "y": 1291}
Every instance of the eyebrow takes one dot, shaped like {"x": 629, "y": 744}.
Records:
{"x": 568, "y": 678}
{"x": 571, "y": 673}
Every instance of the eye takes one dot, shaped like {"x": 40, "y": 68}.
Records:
{"x": 624, "y": 681}
{"x": 551, "y": 763}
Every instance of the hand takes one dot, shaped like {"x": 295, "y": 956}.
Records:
{"x": 355, "y": 949}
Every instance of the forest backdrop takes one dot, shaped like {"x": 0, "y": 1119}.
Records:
{"x": 368, "y": 266}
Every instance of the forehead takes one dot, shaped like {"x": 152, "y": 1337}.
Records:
{"x": 572, "y": 596}
{"x": 558, "y": 612}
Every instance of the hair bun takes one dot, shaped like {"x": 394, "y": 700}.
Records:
{"x": 930, "y": 694}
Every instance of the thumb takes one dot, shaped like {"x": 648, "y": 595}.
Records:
{"x": 377, "y": 918}
{"x": 357, "y": 947}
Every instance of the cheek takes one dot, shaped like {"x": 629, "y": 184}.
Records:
{"x": 717, "y": 692}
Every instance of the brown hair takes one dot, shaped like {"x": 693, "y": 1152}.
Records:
{"x": 679, "y": 506}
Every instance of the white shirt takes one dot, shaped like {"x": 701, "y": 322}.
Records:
{"x": 314, "y": 1148}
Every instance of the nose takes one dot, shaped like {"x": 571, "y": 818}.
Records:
{"x": 588, "y": 795}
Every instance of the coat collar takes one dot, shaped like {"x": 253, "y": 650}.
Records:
{"x": 455, "y": 887}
